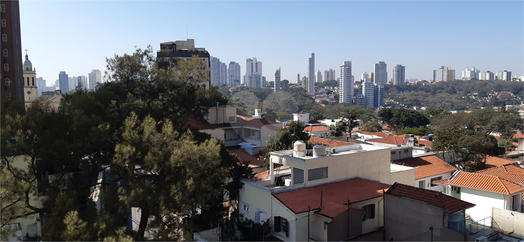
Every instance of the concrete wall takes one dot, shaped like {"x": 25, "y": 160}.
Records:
{"x": 372, "y": 224}
{"x": 258, "y": 198}
{"x": 224, "y": 112}
{"x": 483, "y": 200}
{"x": 297, "y": 227}
{"x": 339, "y": 229}
{"x": 509, "y": 220}
{"x": 267, "y": 131}
{"x": 215, "y": 133}
{"x": 407, "y": 219}
{"x": 406, "y": 175}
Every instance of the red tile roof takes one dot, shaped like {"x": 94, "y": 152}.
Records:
{"x": 379, "y": 134}
{"x": 426, "y": 143}
{"x": 518, "y": 135}
{"x": 510, "y": 172}
{"x": 393, "y": 140}
{"x": 334, "y": 196}
{"x": 492, "y": 161}
{"x": 244, "y": 156}
{"x": 241, "y": 121}
{"x": 316, "y": 128}
{"x": 432, "y": 198}
{"x": 426, "y": 166}
{"x": 479, "y": 181}
{"x": 328, "y": 142}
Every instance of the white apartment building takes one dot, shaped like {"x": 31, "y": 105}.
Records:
{"x": 381, "y": 73}
{"x": 346, "y": 83}
{"x": 365, "y": 77}
{"x": 368, "y": 90}
{"x": 470, "y": 74}
{"x": 443, "y": 74}
{"x": 233, "y": 74}
{"x": 486, "y": 75}
{"x": 215, "y": 66}
{"x": 276, "y": 85}
{"x": 82, "y": 81}
{"x": 319, "y": 76}
{"x": 253, "y": 77}
{"x": 503, "y": 75}
{"x": 399, "y": 75}
{"x": 329, "y": 75}
{"x": 95, "y": 77}
{"x": 311, "y": 77}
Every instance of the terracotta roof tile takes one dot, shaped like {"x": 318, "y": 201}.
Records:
{"x": 328, "y": 142}
{"x": 316, "y": 128}
{"x": 426, "y": 166}
{"x": 509, "y": 172}
{"x": 483, "y": 182}
{"x": 393, "y": 140}
{"x": 432, "y": 198}
{"x": 426, "y": 143}
{"x": 334, "y": 196}
{"x": 492, "y": 161}
{"x": 518, "y": 135}
{"x": 379, "y": 134}
{"x": 241, "y": 121}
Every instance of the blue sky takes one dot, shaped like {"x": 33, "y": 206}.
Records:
{"x": 78, "y": 36}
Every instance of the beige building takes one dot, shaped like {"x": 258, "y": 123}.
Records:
{"x": 30, "y": 88}
{"x": 323, "y": 194}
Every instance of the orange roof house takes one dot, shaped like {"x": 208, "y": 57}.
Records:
{"x": 427, "y": 166}
{"x": 328, "y": 142}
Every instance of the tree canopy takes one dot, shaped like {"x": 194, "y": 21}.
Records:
{"x": 399, "y": 118}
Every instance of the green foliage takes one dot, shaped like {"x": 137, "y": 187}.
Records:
{"x": 422, "y": 131}
{"x": 244, "y": 229}
{"x": 285, "y": 138}
{"x": 371, "y": 127}
{"x": 328, "y": 83}
{"x": 270, "y": 115}
{"x": 506, "y": 124}
{"x": 76, "y": 228}
{"x": 338, "y": 129}
{"x": 434, "y": 113}
{"x": 399, "y": 119}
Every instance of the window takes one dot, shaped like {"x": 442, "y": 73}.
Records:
{"x": 28, "y": 81}
{"x": 4, "y": 23}
{"x": 8, "y": 96}
{"x": 7, "y": 82}
{"x": 2, "y": 8}
{"x": 4, "y": 37}
{"x": 33, "y": 80}
{"x": 318, "y": 173}
{"x": 421, "y": 184}
{"x": 245, "y": 208}
{"x": 6, "y": 67}
{"x": 435, "y": 179}
{"x": 298, "y": 176}
{"x": 515, "y": 202}
{"x": 370, "y": 212}
{"x": 455, "y": 189}
{"x": 6, "y": 52}
{"x": 232, "y": 119}
{"x": 281, "y": 225}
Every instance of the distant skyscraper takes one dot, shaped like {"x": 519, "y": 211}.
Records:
{"x": 470, "y": 74}
{"x": 311, "y": 77}
{"x": 215, "y": 71}
{"x": 253, "y": 72}
{"x": 223, "y": 74}
{"x": 378, "y": 96}
{"x": 329, "y": 75}
{"x": 41, "y": 85}
{"x": 319, "y": 76}
{"x": 30, "y": 88}
{"x": 399, "y": 75}
{"x": 346, "y": 83}
{"x": 63, "y": 80}
{"x": 305, "y": 82}
{"x": 234, "y": 74}
{"x": 486, "y": 75}
{"x": 381, "y": 73}
{"x": 503, "y": 75}
{"x": 298, "y": 78}
{"x": 73, "y": 83}
{"x": 368, "y": 90}
{"x": 443, "y": 74}
{"x": 365, "y": 77}
{"x": 95, "y": 77}
{"x": 82, "y": 81}
{"x": 276, "y": 85}
{"x": 12, "y": 79}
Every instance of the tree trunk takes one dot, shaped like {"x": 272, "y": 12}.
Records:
{"x": 143, "y": 221}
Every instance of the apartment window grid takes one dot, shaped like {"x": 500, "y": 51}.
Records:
{"x": 6, "y": 67}
{"x": 318, "y": 173}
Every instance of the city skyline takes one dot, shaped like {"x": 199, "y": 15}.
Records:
{"x": 398, "y": 33}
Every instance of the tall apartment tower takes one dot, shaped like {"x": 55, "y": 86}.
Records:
{"x": 233, "y": 74}
{"x": 470, "y": 74}
{"x": 486, "y": 75}
{"x": 443, "y": 74}
{"x": 381, "y": 73}
{"x": 184, "y": 49}
{"x": 63, "y": 82}
{"x": 311, "y": 77}
{"x": 503, "y": 75}
{"x": 253, "y": 72}
{"x": 378, "y": 96}
{"x": 368, "y": 90}
{"x": 276, "y": 85}
{"x": 365, "y": 77}
{"x": 11, "y": 74}
{"x": 346, "y": 83}
{"x": 215, "y": 71}
{"x": 298, "y": 78}
{"x": 329, "y": 75}
{"x": 399, "y": 75}
{"x": 40, "y": 85}
{"x": 82, "y": 81}
{"x": 30, "y": 88}
{"x": 319, "y": 77}
{"x": 95, "y": 77}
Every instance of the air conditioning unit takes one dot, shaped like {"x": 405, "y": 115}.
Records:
{"x": 481, "y": 239}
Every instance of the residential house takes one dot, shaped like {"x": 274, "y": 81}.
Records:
{"x": 316, "y": 130}
{"x": 428, "y": 168}
{"x": 497, "y": 187}
{"x": 417, "y": 214}
{"x": 339, "y": 184}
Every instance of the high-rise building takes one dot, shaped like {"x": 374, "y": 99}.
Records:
{"x": 486, "y": 75}
{"x": 311, "y": 77}
{"x": 399, "y": 75}
{"x": 503, "y": 75}
{"x": 223, "y": 74}
{"x": 41, "y": 85}
{"x": 378, "y": 95}
{"x": 73, "y": 83}
{"x": 305, "y": 82}
{"x": 443, "y": 74}
{"x": 215, "y": 71}
{"x": 234, "y": 74}
{"x": 82, "y": 81}
{"x": 470, "y": 74}
{"x": 95, "y": 77}
{"x": 276, "y": 85}
{"x": 329, "y": 75}
{"x": 11, "y": 74}
{"x": 30, "y": 88}
{"x": 368, "y": 90}
{"x": 298, "y": 78}
{"x": 346, "y": 83}
{"x": 365, "y": 77}
{"x": 253, "y": 72}
{"x": 184, "y": 49}
{"x": 319, "y": 77}
{"x": 63, "y": 80}
{"x": 381, "y": 73}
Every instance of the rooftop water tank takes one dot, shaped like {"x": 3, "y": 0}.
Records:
{"x": 299, "y": 149}
{"x": 319, "y": 150}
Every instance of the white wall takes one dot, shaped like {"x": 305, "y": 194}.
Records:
{"x": 438, "y": 188}
{"x": 372, "y": 224}
{"x": 483, "y": 200}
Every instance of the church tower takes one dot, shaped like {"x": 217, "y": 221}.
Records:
{"x": 30, "y": 89}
